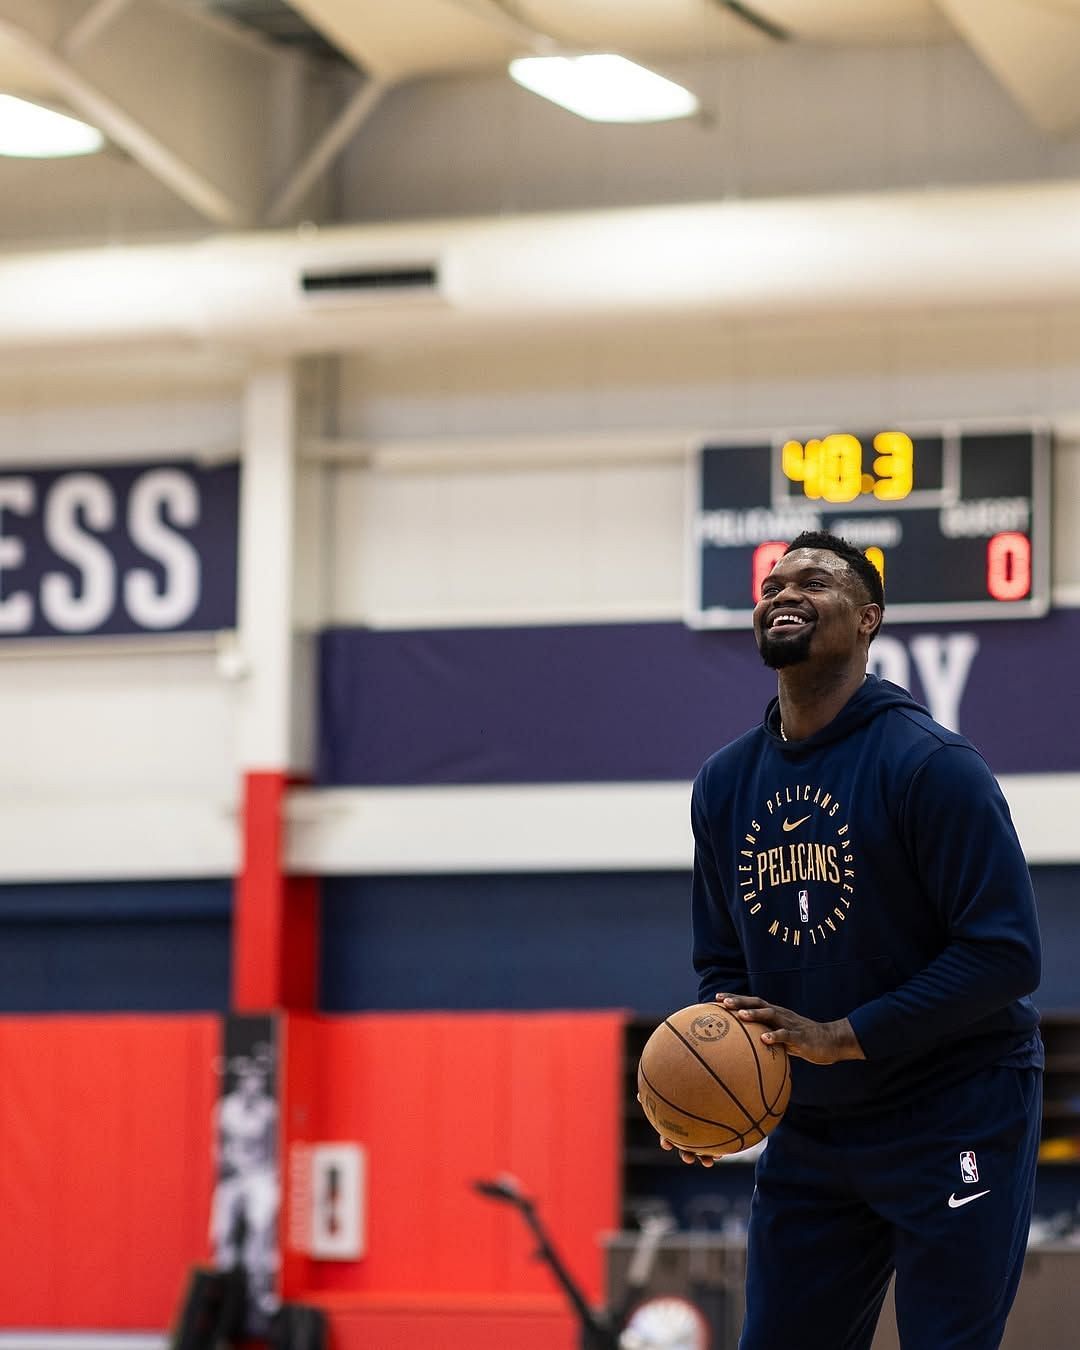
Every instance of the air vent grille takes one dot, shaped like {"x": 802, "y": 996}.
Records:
{"x": 369, "y": 280}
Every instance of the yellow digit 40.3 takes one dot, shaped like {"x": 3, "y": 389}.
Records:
{"x": 830, "y": 468}
{"x": 894, "y": 465}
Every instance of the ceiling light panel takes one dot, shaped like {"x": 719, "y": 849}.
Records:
{"x": 604, "y": 88}
{"x": 30, "y": 131}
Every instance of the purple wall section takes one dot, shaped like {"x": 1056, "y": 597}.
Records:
{"x": 640, "y": 702}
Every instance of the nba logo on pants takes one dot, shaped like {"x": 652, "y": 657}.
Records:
{"x": 968, "y": 1170}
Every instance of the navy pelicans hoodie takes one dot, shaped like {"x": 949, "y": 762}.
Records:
{"x": 870, "y": 871}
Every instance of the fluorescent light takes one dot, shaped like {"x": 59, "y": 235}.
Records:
{"x": 29, "y": 131}
{"x": 604, "y": 88}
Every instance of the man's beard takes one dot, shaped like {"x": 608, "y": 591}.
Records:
{"x": 786, "y": 651}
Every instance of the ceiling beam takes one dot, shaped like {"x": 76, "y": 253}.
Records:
{"x": 394, "y": 41}
{"x": 1033, "y": 48}
{"x": 188, "y": 100}
{"x": 126, "y": 131}
{"x": 91, "y": 23}
{"x": 324, "y": 151}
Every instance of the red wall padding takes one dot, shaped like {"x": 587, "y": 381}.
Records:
{"x": 105, "y": 1167}
{"x": 454, "y": 1322}
{"x": 440, "y": 1100}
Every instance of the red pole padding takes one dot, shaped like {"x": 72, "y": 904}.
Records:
{"x": 275, "y": 916}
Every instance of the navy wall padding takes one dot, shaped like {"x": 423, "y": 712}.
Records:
{"x": 1057, "y": 890}
{"x": 591, "y": 703}
{"x": 586, "y": 940}
{"x": 507, "y": 941}
{"x": 633, "y": 702}
{"x": 160, "y": 946}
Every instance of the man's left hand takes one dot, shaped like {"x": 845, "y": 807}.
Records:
{"x": 817, "y": 1042}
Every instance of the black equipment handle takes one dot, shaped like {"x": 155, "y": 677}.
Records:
{"x": 598, "y": 1335}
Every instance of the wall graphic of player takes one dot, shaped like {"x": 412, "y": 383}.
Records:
{"x": 243, "y": 1221}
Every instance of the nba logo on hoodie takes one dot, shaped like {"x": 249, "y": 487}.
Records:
{"x": 804, "y": 906}
{"x": 968, "y": 1170}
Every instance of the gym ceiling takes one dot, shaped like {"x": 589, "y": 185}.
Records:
{"x": 185, "y": 89}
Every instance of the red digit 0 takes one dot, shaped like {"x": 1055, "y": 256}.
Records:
{"x": 1008, "y": 565}
{"x": 766, "y": 556}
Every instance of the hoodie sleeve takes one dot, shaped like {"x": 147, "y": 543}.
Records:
{"x": 957, "y": 829}
{"x": 718, "y": 958}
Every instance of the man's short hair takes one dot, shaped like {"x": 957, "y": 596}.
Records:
{"x": 857, "y": 562}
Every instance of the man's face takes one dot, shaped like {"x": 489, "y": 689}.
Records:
{"x": 812, "y": 607}
{"x": 251, "y": 1085}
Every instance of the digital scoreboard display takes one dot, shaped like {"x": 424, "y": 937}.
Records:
{"x": 956, "y": 519}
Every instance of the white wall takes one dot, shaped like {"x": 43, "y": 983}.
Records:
{"x": 607, "y": 827}
{"x": 118, "y": 756}
{"x": 469, "y": 520}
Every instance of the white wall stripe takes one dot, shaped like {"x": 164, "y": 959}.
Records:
{"x": 624, "y": 827}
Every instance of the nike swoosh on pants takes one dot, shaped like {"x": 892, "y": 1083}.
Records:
{"x": 965, "y": 1199}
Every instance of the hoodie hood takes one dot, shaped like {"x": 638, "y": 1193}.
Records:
{"x": 873, "y": 697}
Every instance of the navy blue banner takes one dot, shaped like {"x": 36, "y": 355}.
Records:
{"x": 648, "y": 702}
{"x": 117, "y": 549}
{"x": 564, "y": 940}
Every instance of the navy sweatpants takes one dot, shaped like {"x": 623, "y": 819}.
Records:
{"x": 941, "y": 1192}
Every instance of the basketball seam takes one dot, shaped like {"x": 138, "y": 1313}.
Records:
{"x": 705, "y": 1120}
{"x": 768, "y": 1105}
{"x": 709, "y": 1069}
{"x": 757, "y": 1061}
{"x": 739, "y": 1137}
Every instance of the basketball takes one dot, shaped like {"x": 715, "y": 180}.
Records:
{"x": 707, "y": 1082}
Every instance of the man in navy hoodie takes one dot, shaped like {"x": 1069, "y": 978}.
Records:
{"x": 860, "y": 895}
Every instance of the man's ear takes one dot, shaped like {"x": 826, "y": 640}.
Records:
{"x": 869, "y": 619}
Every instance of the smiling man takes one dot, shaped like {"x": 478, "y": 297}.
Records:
{"x": 860, "y": 896}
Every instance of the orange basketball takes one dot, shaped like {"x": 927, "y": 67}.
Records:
{"x": 709, "y": 1084}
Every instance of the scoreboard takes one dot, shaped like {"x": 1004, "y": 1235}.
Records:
{"x": 956, "y": 519}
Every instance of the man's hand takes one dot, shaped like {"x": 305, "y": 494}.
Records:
{"x": 816, "y": 1042}
{"x": 687, "y": 1157}
{"x": 705, "y": 1159}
